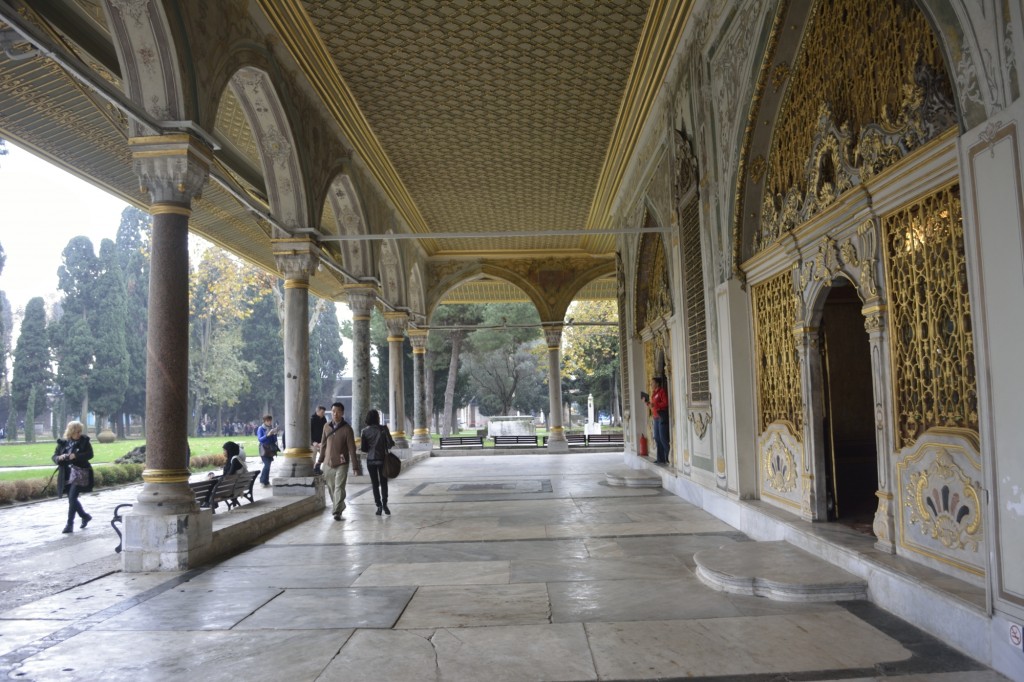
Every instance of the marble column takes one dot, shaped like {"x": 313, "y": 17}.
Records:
{"x": 556, "y": 434}
{"x": 420, "y": 433}
{"x": 397, "y": 323}
{"x": 165, "y": 530}
{"x": 361, "y": 301}
{"x": 297, "y": 259}
{"x": 884, "y": 523}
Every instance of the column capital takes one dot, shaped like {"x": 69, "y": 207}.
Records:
{"x": 361, "y": 301}
{"x": 296, "y": 257}
{"x": 418, "y": 339}
{"x": 553, "y": 336}
{"x": 172, "y": 169}
{"x": 396, "y": 323}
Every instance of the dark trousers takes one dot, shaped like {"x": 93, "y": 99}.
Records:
{"x": 661, "y": 435}
{"x": 379, "y": 481}
{"x": 74, "y": 506}
{"x": 265, "y": 473}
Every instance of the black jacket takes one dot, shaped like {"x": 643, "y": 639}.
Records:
{"x": 375, "y": 441}
{"x": 316, "y": 428}
{"x": 82, "y": 450}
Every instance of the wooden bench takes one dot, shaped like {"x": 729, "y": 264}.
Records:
{"x": 515, "y": 441}
{"x": 462, "y": 442}
{"x": 202, "y": 489}
{"x": 574, "y": 439}
{"x": 595, "y": 438}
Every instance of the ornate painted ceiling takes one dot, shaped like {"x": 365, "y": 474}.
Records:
{"x": 496, "y": 115}
{"x": 471, "y": 116}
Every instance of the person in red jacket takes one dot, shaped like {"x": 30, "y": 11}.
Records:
{"x": 659, "y": 410}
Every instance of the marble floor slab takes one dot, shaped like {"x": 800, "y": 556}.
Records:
{"x": 436, "y": 573}
{"x": 330, "y": 608}
{"x": 477, "y": 606}
{"x": 488, "y": 579}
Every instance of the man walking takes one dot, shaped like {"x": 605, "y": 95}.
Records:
{"x": 337, "y": 450}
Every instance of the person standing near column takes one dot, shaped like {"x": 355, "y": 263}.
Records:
{"x": 337, "y": 450}
{"x": 375, "y": 441}
{"x": 659, "y": 410}
{"x": 266, "y": 434}
{"x": 316, "y": 427}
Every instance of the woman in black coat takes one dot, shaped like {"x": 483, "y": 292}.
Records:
{"x": 74, "y": 452}
{"x": 375, "y": 441}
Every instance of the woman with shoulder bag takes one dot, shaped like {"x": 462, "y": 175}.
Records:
{"x": 375, "y": 441}
{"x": 74, "y": 472}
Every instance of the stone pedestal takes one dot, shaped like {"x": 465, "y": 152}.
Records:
{"x": 299, "y": 486}
{"x": 166, "y": 542}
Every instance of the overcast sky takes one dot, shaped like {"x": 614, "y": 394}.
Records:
{"x": 43, "y": 208}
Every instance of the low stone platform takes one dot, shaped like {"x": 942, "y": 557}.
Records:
{"x": 776, "y": 570}
{"x": 632, "y": 478}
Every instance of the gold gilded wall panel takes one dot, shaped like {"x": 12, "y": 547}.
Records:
{"x": 934, "y": 378}
{"x": 778, "y": 369}
{"x": 653, "y": 298}
{"x": 858, "y": 58}
{"x": 696, "y": 314}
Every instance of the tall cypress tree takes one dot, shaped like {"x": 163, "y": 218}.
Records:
{"x": 326, "y": 362}
{"x": 72, "y": 336}
{"x": 133, "y": 254}
{"x": 110, "y": 367}
{"x": 32, "y": 359}
{"x": 262, "y": 343}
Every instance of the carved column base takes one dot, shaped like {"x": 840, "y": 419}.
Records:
{"x": 420, "y": 437}
{"x": 884, "y": 525}
{"x": 292, "y": 463}
{"x": 807, "y": 507}
{"x": 400, "y": 440}
{"x": 166, "y": 542}
{"x": 557, "y": 441}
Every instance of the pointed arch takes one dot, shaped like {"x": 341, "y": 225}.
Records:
{"x": 416, "y": 298}
{"x": 390, "y": 273}
{"x": 278, "y": 152}
{"x": 150, "y": 69}
{"x": 349, "y": 219}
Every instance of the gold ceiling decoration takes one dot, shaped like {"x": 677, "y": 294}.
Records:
{"x": 232, "y": 127}
{"x": 495, "y": 115}
{"x": 500, "y": 291}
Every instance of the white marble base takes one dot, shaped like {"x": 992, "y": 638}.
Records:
{"x": 632, "y": 478}
{"x": 172, "y": 542}
{"x": 776, "y": 570}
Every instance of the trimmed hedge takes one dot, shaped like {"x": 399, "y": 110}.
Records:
{"x": 104, "y": 476}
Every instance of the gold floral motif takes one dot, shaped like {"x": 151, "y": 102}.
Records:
{"x": 779, "y": 465}
{"x": 701, "y": 420}
{"x": 946, "y": 503}
{"x": 934, "y": 378}
{"x": 778, "y": 372}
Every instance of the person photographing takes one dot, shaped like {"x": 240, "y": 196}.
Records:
{"x": 266, "y": 434}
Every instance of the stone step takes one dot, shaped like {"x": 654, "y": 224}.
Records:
{"x": 776, "y": 570}
{"x": 632, "y": 478}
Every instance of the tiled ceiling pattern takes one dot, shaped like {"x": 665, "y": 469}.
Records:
{"x": 234, "y": 128}
{"x": 496, "y": 114}
{"x": 500, "y": 291}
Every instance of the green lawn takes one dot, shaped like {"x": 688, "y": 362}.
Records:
{"x": 38, "y": 454}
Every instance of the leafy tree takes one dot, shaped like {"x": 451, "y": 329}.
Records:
{"x": 501, "y": 363}
{"x": 447, "y": 348}
{"x": 263, "y": 344}
{"x": 228, "y": 372}
{"x": 32, "y": 359}
{"x": 221, "y": 294}
{"x": 132, "y": 241}
{"x": 590, "y": 356}
{"x": 109, "y": 379}
{"x": 326, "y": 362}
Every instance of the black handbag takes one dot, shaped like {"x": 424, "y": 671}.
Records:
{"x": 392, "y": 465}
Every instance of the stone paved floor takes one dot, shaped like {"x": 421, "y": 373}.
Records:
{"x": 490, "y": 568}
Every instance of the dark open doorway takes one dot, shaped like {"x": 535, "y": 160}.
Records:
{"x": 851, "y": 466}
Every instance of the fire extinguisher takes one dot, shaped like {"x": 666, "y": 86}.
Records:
{"x": 642, "y": 451}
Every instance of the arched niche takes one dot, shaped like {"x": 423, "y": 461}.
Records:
{"x": 278, "y": 154}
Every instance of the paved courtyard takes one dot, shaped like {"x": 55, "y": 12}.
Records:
{"x": 493, "y": 568}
